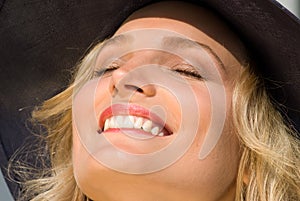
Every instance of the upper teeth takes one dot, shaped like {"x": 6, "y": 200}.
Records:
{"x": 133, "y": 122}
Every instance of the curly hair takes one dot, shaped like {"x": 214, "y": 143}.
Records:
{"x": 269, "y": 165}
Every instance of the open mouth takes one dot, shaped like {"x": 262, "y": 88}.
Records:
{"x": 132, "y": 118}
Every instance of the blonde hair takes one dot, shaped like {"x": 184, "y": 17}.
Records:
{"x": 269, "y": 166}
{"x": 270, "y": 162}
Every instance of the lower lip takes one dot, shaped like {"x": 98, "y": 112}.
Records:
{"x": 132, "y": 133}
{"x": 136, "y": 141}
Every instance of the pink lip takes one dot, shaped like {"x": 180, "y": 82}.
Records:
{"x": 130, "y": 109}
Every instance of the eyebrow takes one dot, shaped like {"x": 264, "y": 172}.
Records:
{"x": 169, "y": 41}
{"x": 119, "y": 39}
{"x": 178, "y": 42}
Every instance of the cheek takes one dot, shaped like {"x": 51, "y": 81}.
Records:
{"x": 204, "y": 105}
{"x": 102, "y": 94}
{"x": 203, "y": 109}
{"x": 79, "y": 159}
{"x": 86, "y": 169}
{"x": 219, "y": 169}
{"x": 213, "y": 176}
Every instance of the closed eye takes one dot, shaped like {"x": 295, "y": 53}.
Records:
{"x": 187, "y": 70}
{"x": 106, "y": 71}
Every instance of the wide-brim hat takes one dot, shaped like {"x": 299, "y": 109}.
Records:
{"x": 40, "y": 41}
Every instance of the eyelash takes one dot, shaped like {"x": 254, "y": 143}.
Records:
{"x": 182, "y": 69}
{"x": 113, "y": 66}
{"x": 187, "y": 70}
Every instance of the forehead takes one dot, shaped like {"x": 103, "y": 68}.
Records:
{"x": 196, "y": 23}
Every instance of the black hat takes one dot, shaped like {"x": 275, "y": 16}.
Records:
{"x": 40, "y": 41}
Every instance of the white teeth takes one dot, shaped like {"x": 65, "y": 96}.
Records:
{"x": 131, "y": 118}
{"x": 138, "y": 123}
{"x": 155, "y": 130}
{"x": 132, "y": 122}
{"x": 112, "y": 122}
{"x": 106, "y": 125}
{"x": 127, "y": 122}
{"x": 119, "y": 121}
{"x": 147, "y": 126}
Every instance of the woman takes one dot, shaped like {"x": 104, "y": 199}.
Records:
{"x": 173, "y": 81}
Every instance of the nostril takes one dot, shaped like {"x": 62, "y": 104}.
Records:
{"x": 140, "y": 90}
{"x": 147, "y": 90}
{"x": 134, "y": 88}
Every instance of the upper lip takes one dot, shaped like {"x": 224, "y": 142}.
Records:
{"x": 131, "y": 109}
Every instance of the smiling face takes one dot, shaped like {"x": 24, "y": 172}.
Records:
{"x": 150, "y": 97}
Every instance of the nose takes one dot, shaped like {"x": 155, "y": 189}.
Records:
{"x": 125, "y": 82}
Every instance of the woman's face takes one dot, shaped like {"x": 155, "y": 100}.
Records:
{"x": 142, "y": 117}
